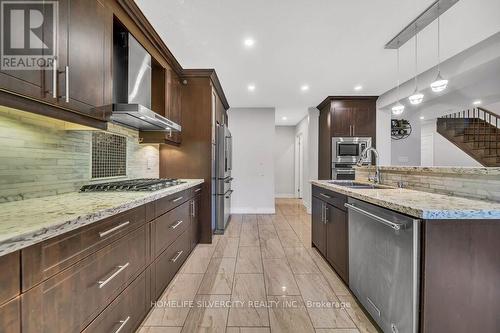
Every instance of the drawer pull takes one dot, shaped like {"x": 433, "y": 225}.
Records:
{"x": 120, "y": 269}
{"x": 197, "y": 190}
{"x": 174, "y": 259}
{"x": 325, "y": 196}
{"x": 119, "y": 226}
{"x": 177, "y": 199}
{"x": 122, "y": 324}
{"x": 175, "y": 225}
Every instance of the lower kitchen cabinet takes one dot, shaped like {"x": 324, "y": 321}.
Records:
{"x": 330, "y": 229}
{"x": 10, "y": 316}
{"x": 318, "y": 225}
{"x": 337, "y": 240}
{"x": 195, "y": 220}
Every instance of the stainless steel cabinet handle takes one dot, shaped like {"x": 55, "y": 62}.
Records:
{"x": 119, "y": 226}
{"x": 323, "y": 212}
{"x": 102, "y": 283}
{"x": 54, "y": 78}
{"x": 325, "y": 196}
{"x": 197, "y": 190}
{"x": 122, "y": 324}
{"x": 175, "y": 225}
{"x": 177, "y": 199}
{"x": 229, "y": 195}
{"x": 229, "y": 180}
{"x": 326, "y": 215}
{"x": 193, "y": 208}
{"x": 174, "y": 259}
{"x": 386, "y": 222}
{"x": 67, "y": 83}
{"x": 374, "y": 306}
{"x": 353, "y": 130}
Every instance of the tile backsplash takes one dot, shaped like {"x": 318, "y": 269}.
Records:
{"x": 468, "y": 182}
{"x": 39, "y": 156}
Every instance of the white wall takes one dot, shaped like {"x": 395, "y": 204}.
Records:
{"x": 308, "y": 127}
{"x": 407, "y": 151}
{"x": 284, "y": 160}
{"x": 383, "y": 135}
{"x": 253, "y": 131}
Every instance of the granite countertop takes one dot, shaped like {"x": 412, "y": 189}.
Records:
{"x": 27, "y": 222}
{"x": 420, "y": 204}
{"x": 484, "y": 171}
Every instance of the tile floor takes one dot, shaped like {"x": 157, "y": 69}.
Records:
{"x": 261, "y": 276}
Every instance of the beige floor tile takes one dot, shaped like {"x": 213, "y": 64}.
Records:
{"x": 249, "y": 235}
{"x": 279, "y": 278}
{"x": 218, "y": 279}
{"x": 249, "y": 260}
{"x": 182, "y": 289}
{"x": 226, "y": 248}
{"x": 198, "y": 260}
{"x": 333, "y": 279}
{"x": 289, "y": 315}
{"x": 249, "y": 219}
{"x": 270, "y": 243}
{"x": 288, "y": 238}
{"x": 357, "y": 315}
{"x": 159, "y": 330}
{"x": 323, "y": 306}
{"x": 337, "y": 330}
{"x": 248, "y": 330}
{"x": 233, "y": 229}
{"x": 248, "y": 288}
{"x": 208, "y": 315}
{"x": 300, "y": 261}
{"x": 264, "y": 219}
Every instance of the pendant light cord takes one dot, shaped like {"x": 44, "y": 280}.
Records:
{"x": 398, "y": 70}
{"x": 439, "y": 41}
{"x": 416, "y": 57}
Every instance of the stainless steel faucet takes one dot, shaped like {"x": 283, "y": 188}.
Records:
{"x": 364, "y": 155}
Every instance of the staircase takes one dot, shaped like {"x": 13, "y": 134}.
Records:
{"x": 476, "y": 132}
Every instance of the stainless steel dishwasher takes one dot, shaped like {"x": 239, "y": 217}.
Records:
{"x": 384, "y": 265}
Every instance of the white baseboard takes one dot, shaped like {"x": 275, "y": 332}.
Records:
{"x": 252, "y": 210}
{"x": 308, "y": 209}
{"x": 284, "y": 195}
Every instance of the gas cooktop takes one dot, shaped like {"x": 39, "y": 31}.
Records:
{"x": 147, "y": 184}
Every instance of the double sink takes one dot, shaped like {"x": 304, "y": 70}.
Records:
{"x": 356, "y": 185}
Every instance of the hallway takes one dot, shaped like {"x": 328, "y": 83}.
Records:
{"x": 261, "y": 276}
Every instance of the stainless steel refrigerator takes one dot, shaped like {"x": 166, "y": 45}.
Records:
{"x": 223, "y": 165}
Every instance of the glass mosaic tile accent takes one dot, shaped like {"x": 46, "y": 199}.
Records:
{"x": 109, "y": 155}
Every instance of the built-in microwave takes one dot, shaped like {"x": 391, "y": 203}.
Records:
{"x": 348, "y": 149}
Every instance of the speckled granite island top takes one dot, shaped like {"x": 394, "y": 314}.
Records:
{"x": 27, "y": 222}
{"x": 420, "y": 204}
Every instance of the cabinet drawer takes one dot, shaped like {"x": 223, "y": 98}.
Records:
{"x": 335, "y": 199}
{"x": 166, "y": 228}
{"x": 163, "y": 205}
{"x": 10, "y": 276}
{"x": 41, "y": 261}
{"x": 196, "y": 190}
{"x": 70, "y": 300}
{"x": 10, "y": 316}
{"x": 169, "y": 262}
{"x": 125, "y": 313}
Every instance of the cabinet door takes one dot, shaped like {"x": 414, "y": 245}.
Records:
{"x": 341, "y": 121}
{"x": 195, "y": 221}
{"x": 336, "y": 244}
{"x": 85, "y": 51}
{"x": 325, "y": 143}
{"x": 318, "y": 225}
{"x": 363, "y": 121}
{"x": 10, "y": 316}
{"x": 173, "y": 102}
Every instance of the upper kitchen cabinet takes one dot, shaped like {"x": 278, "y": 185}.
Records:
{"x": 84, "y": 72}
{"x": 80, "y": 78}
{"x": 351, "y": 116}
{"x": 173, "y": 103}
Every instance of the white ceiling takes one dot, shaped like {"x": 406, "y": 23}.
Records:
{"x": 330, "y": 45}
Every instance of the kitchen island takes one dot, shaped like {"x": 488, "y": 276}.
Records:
{"x": 455, "y": 249}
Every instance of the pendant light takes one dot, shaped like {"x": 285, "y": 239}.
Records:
{"x": 417, "y": 97}
{"x": 439, "y": 83}
{"x": 398, "y": 108}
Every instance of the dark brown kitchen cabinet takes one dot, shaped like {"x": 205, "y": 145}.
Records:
{"x": 325, "y": 144}
{"x": 341, "y": 124}
{"x": 173, "y": 103}
{"x": 318, "y": 225}
{"x": 84, "y": 82}
{"x": 337, "y": 240}
{"x": 330, "y": 228}
{"x": 10, "y": 316}
{"x": 10, "y": 276}
{"x": 195, "y": 220}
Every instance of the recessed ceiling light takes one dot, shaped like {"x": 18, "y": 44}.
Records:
{"x": 476, "y": 102}
{"x": 284, "y": 118}
{"x": 305, "y": 87}
{"x": 251, "y": 87}
{"x": 358, "y": 87}
{"x": 249, "y": 42}
{"x": 422, "y": 117}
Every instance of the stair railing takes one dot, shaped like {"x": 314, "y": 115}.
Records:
{"x": 480, "y": 119}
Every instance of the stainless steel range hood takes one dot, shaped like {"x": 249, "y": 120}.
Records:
{"x": 132, "y": 86}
